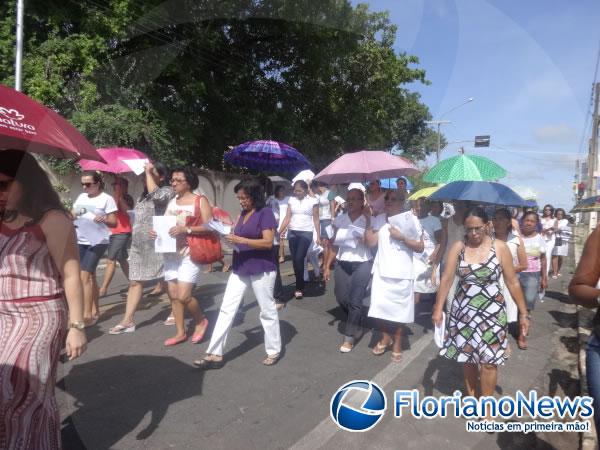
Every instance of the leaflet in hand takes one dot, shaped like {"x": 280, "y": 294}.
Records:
{"x": 219, "y": 227}
{"x": 164, "y": 243}
{"x": 136, "y": 165}
{"x": 345, "y": 238}
{"x": 339, "y": 200}
{"x": 93, "y": 232}
{"x": 405, "y": 223}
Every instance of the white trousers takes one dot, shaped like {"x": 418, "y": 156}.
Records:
{"x": 262, "y": 285}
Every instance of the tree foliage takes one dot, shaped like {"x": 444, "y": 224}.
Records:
{"x": 185, "y": 79}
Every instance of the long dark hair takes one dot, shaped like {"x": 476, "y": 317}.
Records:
{"x": 477, "y": 211}
{"x": 254, "y": 189}
{"x": 38, "y": 196}
{"x": 163, "y": 172}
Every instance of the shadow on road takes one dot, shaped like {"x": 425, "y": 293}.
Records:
{"x": 522, "y": 441}
{"x": 114, "y": 395}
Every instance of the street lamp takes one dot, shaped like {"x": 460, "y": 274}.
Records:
{"x": 440, "y": 122}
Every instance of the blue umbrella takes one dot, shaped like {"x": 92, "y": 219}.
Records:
{"x": 268, "y": 156}
{"x": 479, "y": 192}
{"x": 390, "y": 183}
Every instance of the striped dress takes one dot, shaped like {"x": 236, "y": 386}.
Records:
{"x": 33, "y": 317}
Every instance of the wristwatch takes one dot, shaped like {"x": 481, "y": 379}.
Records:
{"x": 189, "y": 230}
{"x": 80, "y": 325}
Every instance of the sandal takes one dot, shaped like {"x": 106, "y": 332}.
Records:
{"x": 169, "y": 321}
{"x": 175, "y": 340}
{"x": 279, "y": 305}
{"x": 120, "y": 329}
{"x": 209, "y": 364}
{"x": 271, "y": 360}
{"x": 346, "y": 347}
{"x": 197, "y": 337}
{"x": 396, "y": 357}
{"x": 381, "y": 349}
{"x": 522, "y": 344}
{"x": 298, "y": 295}
{"x": 226, "y": 268}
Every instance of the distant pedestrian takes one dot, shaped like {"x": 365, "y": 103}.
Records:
{"x": 427, "y": 263}
{"x": 120, "y": 238}
{"x": 375, "y": 198}
{"x": 477, "y": 323}
{"x": 145, "y": 265}
{"x": 354, "y": 262}
{"x": 396, "y": 235}
{"x": 93, "y": 206}
{"x": 39, "y": 269}
{"x": 254, "y": 266}
{"x": 549, "y": 228}
{"x": 301, "y": 220}
{"x": 561, "y": 242}
{"x": 534, "y": 279}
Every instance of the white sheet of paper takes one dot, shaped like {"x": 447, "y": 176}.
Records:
{"x": 406, "y": 224}
{"x": 164, "y": 243}
{"x": 219, "y": 227}
{"x": 95, "y": 233}
{"x": 340, "y": 200}
{"x": 344, "y": 238}
{"x": 439, "y": 334}
{"x": 356, "y": 231}
{"x": 136, "y": 165}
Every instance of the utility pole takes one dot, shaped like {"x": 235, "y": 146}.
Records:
{"x": 593, "y": 156}
{"x": 19, "y": 48}
{"x": 439, "y": 136}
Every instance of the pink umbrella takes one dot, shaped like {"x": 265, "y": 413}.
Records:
{"x": 365, "y": 165}
{"x": 30, "y": 126}
{"x": 114, "y": 157}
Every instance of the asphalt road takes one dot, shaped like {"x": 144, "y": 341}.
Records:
{"x": 130, "y": 392}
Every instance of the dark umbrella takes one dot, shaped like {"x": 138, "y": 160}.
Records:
{"x": 480, "y": 192}
{"x": 588, "y": 205}
{"x": 268, "y": 156}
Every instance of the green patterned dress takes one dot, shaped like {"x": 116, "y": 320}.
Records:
{"x": 476, "y": 331}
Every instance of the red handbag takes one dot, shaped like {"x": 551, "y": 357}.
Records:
{"x": 204, "y": 248}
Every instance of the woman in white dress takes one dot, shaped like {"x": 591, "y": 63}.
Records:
{"x": 548, "y": 233}
{"x": 427, "y": 263}
{"x": 397, "y": 235}
{"x": 561, "y": 243}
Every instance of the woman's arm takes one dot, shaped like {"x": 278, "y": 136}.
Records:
{"x": 544, "y": 274}
{"x": 330, "y": 258}
{"x": 521, "y": 257}
{"x": 286, "y": 220}
{"x": 264, "y": 243}
{"x": 446, "y": 282}
{"x": 582, "y": 288}
{"x": 62, "y": 245}
{"x": 436, "y": 255}
{"x": 317, "y": 224}
{"x": 371, "y": 236}
{"x": 416, "y": 246}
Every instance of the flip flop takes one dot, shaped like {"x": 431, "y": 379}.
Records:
{"x": 271, "y": 360}
{"x": 396, "y": 357}
{"x": 381, "y": 349}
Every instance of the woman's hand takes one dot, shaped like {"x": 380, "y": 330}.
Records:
{"x": 436, "y": 317}
{"x": 524, "y": 324}
{"x": 177, "y": 231}
{"x": 327, "y": 273}
{"x": 76, "y": 343}
{"x": 152, "y": 234}
{"x": 396, "y": 234}
{"x": 234, "y": 239}
{"x": 543, "y": 283}
{"x": 100, "y": 219}
{"x": 282, "y": 233}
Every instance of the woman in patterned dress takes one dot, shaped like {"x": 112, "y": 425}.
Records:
{"x": 144, "y": 263}
{"x": 476, "y": 332}
{"x": 39, "y": 269}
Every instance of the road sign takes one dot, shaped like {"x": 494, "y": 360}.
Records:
{"x": 482, "y": 141}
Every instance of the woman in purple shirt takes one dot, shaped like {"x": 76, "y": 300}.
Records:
{"x": 253, "y": 266}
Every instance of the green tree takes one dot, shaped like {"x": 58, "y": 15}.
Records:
{"x": 185, "y": 79}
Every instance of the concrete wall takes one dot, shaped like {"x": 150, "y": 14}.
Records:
{"x": 217, "y": 186}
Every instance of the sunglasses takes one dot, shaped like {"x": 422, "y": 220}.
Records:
{"x": 87, "y": 185}
{"x": 178, "y": 180}
{"x": 5, "y": 185}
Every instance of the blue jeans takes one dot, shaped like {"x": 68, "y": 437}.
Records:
{"x": 592, "y": 370}
{"x": 300, "y": 242}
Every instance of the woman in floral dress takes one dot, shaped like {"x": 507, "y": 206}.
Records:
{"x": 477, "y": 325}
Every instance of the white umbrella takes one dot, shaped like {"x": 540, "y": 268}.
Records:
{"x": 305, "y": 175}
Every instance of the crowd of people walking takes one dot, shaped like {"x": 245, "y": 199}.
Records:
{"x": 486, "y": 269}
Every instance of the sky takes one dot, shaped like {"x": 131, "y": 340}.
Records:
{"x": 529, "y": 65}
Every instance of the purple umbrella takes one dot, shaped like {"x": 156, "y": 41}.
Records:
{"x": 270, "y": 156}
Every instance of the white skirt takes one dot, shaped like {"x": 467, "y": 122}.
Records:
{"x": 512, "y": 311}
{"x": 561, "y": 250}
{"x": 392, "y": 299}
{"x": 423, "y": 282}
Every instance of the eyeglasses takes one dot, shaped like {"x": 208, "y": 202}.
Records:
{"x": 5, "y": 185}
{"x": 87, "y": 185}
{"x": 392, "y": 199}
{"x": 178, "y": 180}
{"x": 475, "y": 229}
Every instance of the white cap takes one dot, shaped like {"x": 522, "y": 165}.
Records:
{"x": 358, "y": 186}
